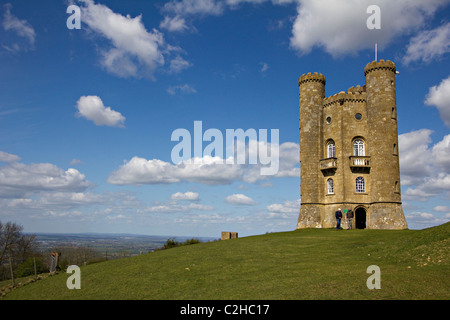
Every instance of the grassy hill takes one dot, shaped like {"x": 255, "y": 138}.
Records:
{"x": 302, "y": 264}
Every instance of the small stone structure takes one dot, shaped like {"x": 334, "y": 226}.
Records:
{"x": 228, "y": 235}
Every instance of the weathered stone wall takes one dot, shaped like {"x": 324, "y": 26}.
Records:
{"x": 312, "y": 93}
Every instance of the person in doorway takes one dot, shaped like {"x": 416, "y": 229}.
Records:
{"x": 338, "y": 215}
{"x": 350, "y": 215}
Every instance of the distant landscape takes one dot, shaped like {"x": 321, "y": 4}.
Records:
{"x": 109, "y": 245}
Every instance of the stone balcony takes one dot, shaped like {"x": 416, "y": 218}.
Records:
{"x": 328, "y": 165}
{"x": 360, "y": 163}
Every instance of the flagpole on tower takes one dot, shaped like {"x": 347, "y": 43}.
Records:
{"x": 376, "y": 51}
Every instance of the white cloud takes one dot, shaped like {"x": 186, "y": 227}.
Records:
{"x": 185, "y": 88}
{"x": 441, "y": 154}
{"x": 207, "y": 170}
{"x": 240, "y": 199}
{"x": 18, "y": 179}
{"x": 439, "y": 96}
{"x": 21, "y": 27}
{"x": 436, "y": 185}
{"x": 175, "y": 23}
{"x": 185, "y": 196}
{"x": 420, "y": 220}
{"x": 286, "y": 207}
{"x": 176, "y": 207}
{"x": 92, "y": 108}
{"x": 178, "y": 64}
{"x": 339, "y": 27}
{"x": 194, "y": 7}
{"x": 424, "y": 169}
{"x": 134, "y": 51}
{"x": 8, "y": 157}
{"x": 442, "y": 209}
{"x": 428, "y": 45}
{"x": 414, "y": 156}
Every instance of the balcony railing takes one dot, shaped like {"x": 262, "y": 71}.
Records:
{"x": 328, "y": 164}
{"x": 360, "y": 161}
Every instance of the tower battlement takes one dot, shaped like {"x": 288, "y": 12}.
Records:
{"x": 312, "y": 77}
{"x": 380, "y": 65}
{"x": 349, "y": 151}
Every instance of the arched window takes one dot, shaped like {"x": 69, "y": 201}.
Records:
{"x": 358, "y": 148}
{"x": 331, "y": 147}
{"x": 330, "y": 186}
{"x": 360, "y": 184}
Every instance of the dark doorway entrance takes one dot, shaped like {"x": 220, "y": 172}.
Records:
{"x": 360, "y": 218}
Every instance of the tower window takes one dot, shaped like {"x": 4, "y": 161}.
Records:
{"x": 358, "y": 148}
{"x": 330, "y": 186}
{"x": 328, "y": 119}
{"x": 358, "y": 116}
{"x": 360, "y": 184}
{"x": 331, "y": 149}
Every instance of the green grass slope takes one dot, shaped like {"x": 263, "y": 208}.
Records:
{"x": 302, "y": 264}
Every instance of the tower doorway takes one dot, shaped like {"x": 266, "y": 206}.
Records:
{"x": 360, "y": 218}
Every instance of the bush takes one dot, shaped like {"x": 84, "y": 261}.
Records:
{"x": 27, "y": 268}
{"x": 171, "y": 243}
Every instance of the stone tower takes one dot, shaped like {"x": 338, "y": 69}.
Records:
{"x": 349, "y": 152}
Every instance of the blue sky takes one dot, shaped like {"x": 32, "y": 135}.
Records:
{"x": 86, "y": 115}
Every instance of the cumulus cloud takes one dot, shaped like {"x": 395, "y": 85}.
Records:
{"x": 429, "y": 45}
{"x": 439, "y": 96}
{"x": 420, "y": 220}
{"x": 21, "y": 27}
{"x": 414, "y": 156}
{"x": 424, "y": 169}
{"x": 92, "y": 108}
{"x": 174, "y": 206}
{"x": 442, "y": 209}
{"x": 185, "y": 196}
{"x": 133, "y": 50}
{"x": 18, "y": 179}
{"x": 286, "y": 207}
{"x": 206, "y": 170}
{"x": 8, "y": 157}
{"x": 441, "y": 154}
{"x": 240, "y": 199}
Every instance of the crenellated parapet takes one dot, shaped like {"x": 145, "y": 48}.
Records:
{"x": 353, "y": 95}
{"x": 310, "y": 77}
{"x": 381, "y": 65}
